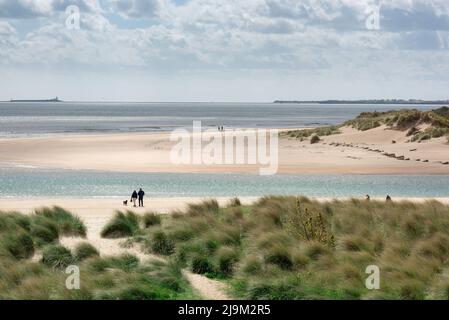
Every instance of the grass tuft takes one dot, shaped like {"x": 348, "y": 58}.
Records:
{"x": 151, "y": 219}
{"x": 122, "y": 225}
{"x": 85, "y": 250}
{"x": 57, "y": 256}
{"x": 20, "y": 245}
{"x": 161, "y": 244}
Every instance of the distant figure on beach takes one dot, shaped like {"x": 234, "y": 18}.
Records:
{"x": 141, "y": 194}
{"x": 368, "y": 198}
{"x": 134, "y": 197}
{"x": 388, "y": 198}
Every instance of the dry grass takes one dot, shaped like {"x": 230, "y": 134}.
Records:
{"x": 122, "y": 277}
{"x": 268, "y": 251}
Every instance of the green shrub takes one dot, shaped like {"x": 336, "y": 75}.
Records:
{"x": 183, "y": 233}
{"x": 227, "y": 258}
{"x": 12, "y": 219}
{"x": 286, "y": 289}
{"x": 138, "y": 292}
{"x": 125, "y": 262}
{"x": 314, "y": 139}
{"x": 315, "y": 250}
{"x": 230, "y": 236}
{"x": 205, "y": 207}
{"x": 20, "y": 245}
{"x": 304, "y": 133}
{"x": 252, "y": 265}
{"x": 45, "y": 233}
{"x": 151, "y": 219}
{"x": 234, "y": 214}
{"x": 122, "y": 225}
{"x": 85, "y": 250}
{"x": 234, "y": 202}
{"x": 202, "y": 265}
{"x": 412, "y": 290}
{"x": 67, "y": 223}
{"x": 212, "y": 244}
{"x": 161, "y": 244}
{"x": 353, "y": 243}
{"x": 300, "y": 260}
{"x": 279, "y": 256}
{"x": 436, "y": 247}
{"x": 57, "y": 256}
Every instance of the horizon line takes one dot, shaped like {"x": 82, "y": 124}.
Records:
{"x": 277, "y": 101}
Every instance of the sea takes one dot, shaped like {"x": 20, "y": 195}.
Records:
{"x": 49, "y": 118}
{"x": 21, "y": 119}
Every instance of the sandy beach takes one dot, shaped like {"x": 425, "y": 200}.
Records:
{"x": 345, "y": 153}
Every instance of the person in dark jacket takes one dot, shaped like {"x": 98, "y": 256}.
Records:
{"x": 134, "y": 197}
{"x": 141, "y": 194}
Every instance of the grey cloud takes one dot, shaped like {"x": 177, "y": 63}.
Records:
{"x": 278, "y": 9}
{"x": 28, "y": 9}
{"x": 136, "y": 8}
{"x": 20, "y": 10}
{"x": 84, "y": 5}
{"x": 420, "y": 40}
{"x": 342, "y": 17}
{"x": 420, "y": 17}
{"x": 275, "y": 27}
{"x": 346, "y": 16}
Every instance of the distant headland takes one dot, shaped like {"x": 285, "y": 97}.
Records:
{"x": 381, "y": 101}
{"x": 56, "y": 99}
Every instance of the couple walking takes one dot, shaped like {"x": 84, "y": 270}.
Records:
{"x": 137, "y": 195}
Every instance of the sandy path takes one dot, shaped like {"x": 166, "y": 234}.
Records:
{"x": 208, "y": 288}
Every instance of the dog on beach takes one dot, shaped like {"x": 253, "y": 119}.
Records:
{"x": 125, "y": 203}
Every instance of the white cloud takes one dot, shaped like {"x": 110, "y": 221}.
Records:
{"x": 6, "y": 28}
{"x": 203, "y": 37}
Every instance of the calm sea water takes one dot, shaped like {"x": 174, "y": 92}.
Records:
{"x": 19, "y": 119}
{"x": 23, "y": 119}
{"x": 57, "y": 183}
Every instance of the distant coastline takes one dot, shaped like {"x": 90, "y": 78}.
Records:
{"x": 381, "y": 101}
{"x": 36, "y": 100}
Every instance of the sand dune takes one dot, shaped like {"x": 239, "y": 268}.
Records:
{"x": 95, "y": 213}
{"x": 150, "y": 152}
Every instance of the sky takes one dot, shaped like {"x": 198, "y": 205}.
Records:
{"x": 224, "y": 50}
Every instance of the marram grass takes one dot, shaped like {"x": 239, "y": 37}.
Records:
{"x": 278, "y": 248}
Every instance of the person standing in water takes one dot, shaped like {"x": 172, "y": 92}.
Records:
{"x": 134, "y": 197}
{"x": 141, "y": 194}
